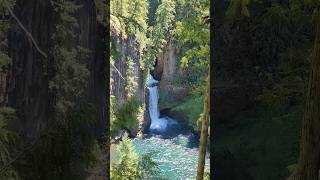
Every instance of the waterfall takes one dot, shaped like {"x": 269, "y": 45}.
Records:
{"x": 157, "y": 123}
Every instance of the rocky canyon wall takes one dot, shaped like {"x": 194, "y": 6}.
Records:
{"x": 169, "y": 72}
{"x": 127, "y": 48}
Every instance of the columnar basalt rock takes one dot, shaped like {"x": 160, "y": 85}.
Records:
{"x": 127, "y": 48}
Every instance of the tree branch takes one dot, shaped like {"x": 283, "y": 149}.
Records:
{"x": 117, "y": 71}
{"x": 25, "y": 30}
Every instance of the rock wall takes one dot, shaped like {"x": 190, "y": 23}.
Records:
{"x": 127, "y": 48}
{"x": 168, "y": 71}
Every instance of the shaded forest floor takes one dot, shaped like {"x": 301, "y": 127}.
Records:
{"x": 263, "y": 141}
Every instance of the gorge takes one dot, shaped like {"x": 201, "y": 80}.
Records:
{"x": 175, "y": 145}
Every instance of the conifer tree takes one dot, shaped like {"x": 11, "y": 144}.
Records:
{"x": 128, "y": 164}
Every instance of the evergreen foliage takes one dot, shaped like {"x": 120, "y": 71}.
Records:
{"x": 191, "y": 108}
{"x": 71, "y": 73}
{"x": 131, "y": 82}
{"x": 153, "y": 5}
{"x": 148, "y": 167}
{"x": 126, "y": 116}
{"x": 128, "y": 166}
{"x": 130, "y": 19}
{"x": 194, "y": 32}
{"x": 131, "y": 166}
{"x": 4, "y": 26}
{"x": 67, "y": 148}
{"x": 66, "y": 151}
{"x": 7, "y": 138}
{"x": 160, "y": 32}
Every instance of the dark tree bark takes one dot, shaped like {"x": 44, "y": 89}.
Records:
{"x": 28, "y": 83}
{"x": 30, "y": 73}
{"x": 309, "y": 160}
{"x": 93, "y": 36}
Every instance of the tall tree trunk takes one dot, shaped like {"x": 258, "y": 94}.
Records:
{"x": 28, "y": 83}
{"x": 309, "y": 160}
{"x": 92, "y": 36}
{"x": 204, "y": 132}
{"x": 30, "y": 73}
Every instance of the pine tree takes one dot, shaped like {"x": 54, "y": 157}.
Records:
{"x": 128, "y": 166}
{"x": 131, "y": 82}
{"x": 160, "y": 32}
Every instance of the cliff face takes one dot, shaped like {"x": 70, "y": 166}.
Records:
{"x": 127, "y": 48}
{"x": 168, "y": 71}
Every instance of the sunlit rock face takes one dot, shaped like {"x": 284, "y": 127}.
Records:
{"x": 168, "y": 72}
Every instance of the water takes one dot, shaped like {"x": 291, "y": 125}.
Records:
{"x": 176, "y": 145}
{"x": 158, "y": 124}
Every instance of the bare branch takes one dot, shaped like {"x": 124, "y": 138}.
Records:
{"x": 117, "y": 71}
{"x": 25, "y": 30}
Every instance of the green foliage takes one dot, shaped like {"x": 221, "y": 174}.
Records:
{"x": 3, "y": 8}
{"x": 131, "y": 82}
{"x": 148, "y": 167}
{"x": 270, "y": 51}
{"x": 285, "y": 52}
{"x": 193, "y": 32}
{"x": 7, "y": 138}
{"x": 198, "y": 56}
{"x": 67, "y": 147}
{"x": 71, "y": 73}
{"x": 4, "y": 26}
{"x": 126, "y": 116}
{"x": 129, "y": 18}
{"x": 4, "y": 59}
{"x": 66, "y": 151}
{"x": 138, "y": 12}
{"x": 192, "y": 107}
{"x": 293, "y": 168}
{"x": 128, "y": 166}
{"x": 131, "y": 166}
{"x": 160, "y": 32}
{"x": 153, "y": 5}
{"x": 112, "y": 113}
